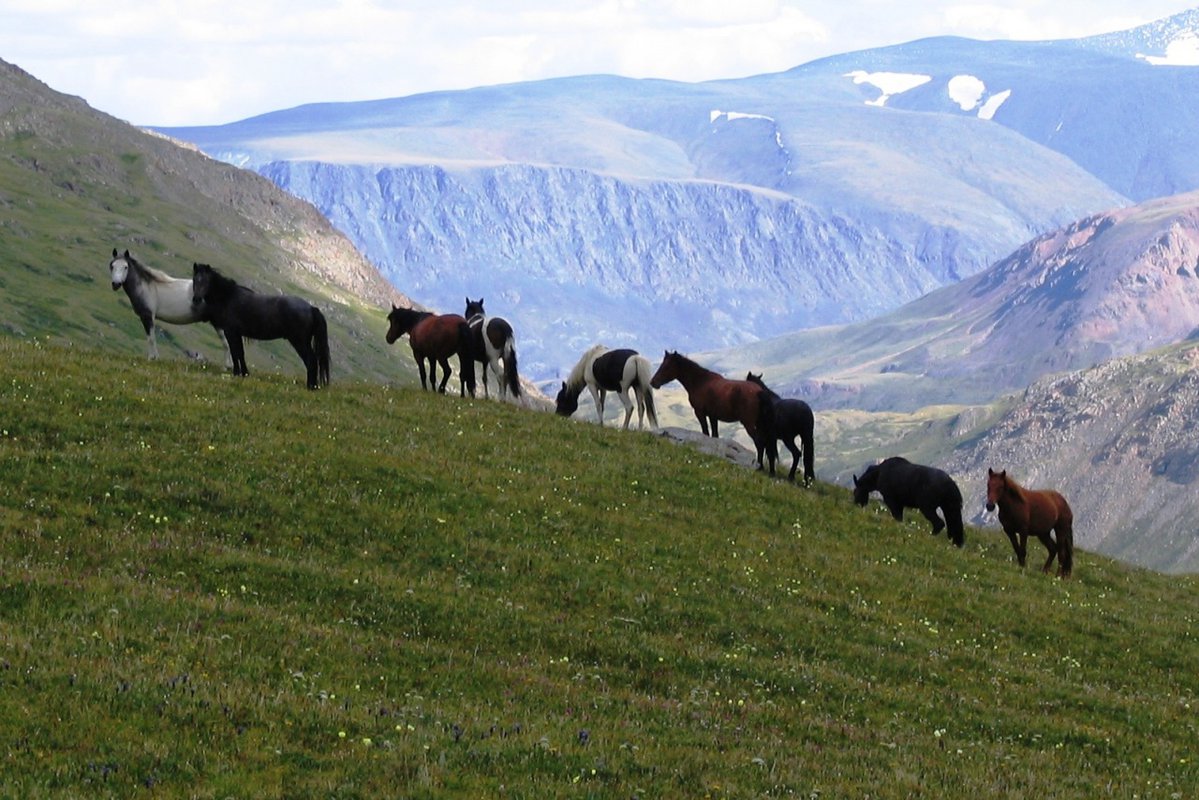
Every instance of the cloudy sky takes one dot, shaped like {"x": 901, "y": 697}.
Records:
{"x": 184, "y": 62}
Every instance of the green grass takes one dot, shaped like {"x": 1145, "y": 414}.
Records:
{"x": 218, "y": 587}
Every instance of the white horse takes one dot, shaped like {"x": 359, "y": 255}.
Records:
{"x": 602, "y": 371}
{"x": 155, "y": 296}
{"x": 494, "y": 344}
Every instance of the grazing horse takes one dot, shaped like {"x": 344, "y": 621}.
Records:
{"x": 493, "y": 342}
{"x": 155, "y": 296}
{"x": 240, "y": 312}
{"x": 906, "y": 485}
{"x": 715, "y": 398}
{"x": 792, "y": 418}
{"x": 435, "y": 337}
{"x": 1036, "y": 512}
{"x": 602, "y": 371}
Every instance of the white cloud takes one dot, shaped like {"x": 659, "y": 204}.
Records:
{"x": 208, "y": 61}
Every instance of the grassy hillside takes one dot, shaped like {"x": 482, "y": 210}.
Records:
{"x": 75, "y": 183}
{"x": 216, "y": 587}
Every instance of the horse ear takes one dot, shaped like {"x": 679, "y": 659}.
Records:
{"x": 126, "y": 253}
{"x": 855, "y": 480}
{"x": 114, "y": 252}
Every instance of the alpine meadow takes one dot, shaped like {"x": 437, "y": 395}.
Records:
{"x": 320, "y": 580}
{"x": 224, "y": 587}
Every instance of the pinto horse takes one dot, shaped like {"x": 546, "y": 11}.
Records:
{"x": 435, "y": 337}
{"x": 906, "y": 485}
{"x": 239, "y": 312}
{"x": 792, "y": 419}
{"x": 602, "y": 370}
{"x": 493, "y": 343}
{"x": 156, "y": 296}
{"x": 1036, "y": 512}
{"x": 715, "y": 398}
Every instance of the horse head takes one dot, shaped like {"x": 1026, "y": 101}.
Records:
{"x": 862, "y": 487}
{"x": 567, "y": 401}
{"x": 400, "y": 321}
{"x": 118, "y": 269}
{"x": 668, "y": 371}
{"x": 474, "y": 308}
{"x": 201, "y": 281}
{"x": 996, "y": 486}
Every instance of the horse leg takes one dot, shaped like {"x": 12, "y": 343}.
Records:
{"x": 151, "y": 340}
{"x": 303, "y": 348}
{"x": 445, "y": 370}
{"x": 795, "y": 456}
{"x": 237, "y": 352}
{"x": 930, "y": 514}
{"x": 640, "y": 407}
{"x": 420, "y": 365}
{"x": 715, "y": 431}
{"x": 627, "y": 402}
{"x": 1051, "y": 546}
{"x": 225, "y": 342}
{"x": 703, "y": 422}
{"x": 896, "y": 509}
{"x": 597, "y": 399}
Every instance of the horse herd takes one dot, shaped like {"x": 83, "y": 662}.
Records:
{"x": 237, "y": 312}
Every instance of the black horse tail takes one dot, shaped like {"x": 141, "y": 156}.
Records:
{"x": 953, "y": 515}
{"x": 320, "y": 344}
{"x": 510, "y": 375}
{"x": 466, "y": 360}
{"x": 807, "y": 439}
{"x": 766, "y": 437}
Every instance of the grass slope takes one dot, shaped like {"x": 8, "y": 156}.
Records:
{"x": 217, "y": 587}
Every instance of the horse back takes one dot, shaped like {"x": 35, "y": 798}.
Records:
{"x": 1048, "y": 508}
{"x": 608, "y": 369}
{"x": 437, "y": 335}
{"x": 917, "y": 485}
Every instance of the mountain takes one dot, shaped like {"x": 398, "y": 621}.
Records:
{"x": 1110, "y": 285}
{"x": 76, "y": 183}
{"x": 695, "y": 216}
{"x": 1121, "y": 441}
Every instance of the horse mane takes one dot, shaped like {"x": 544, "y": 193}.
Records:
{"x": 220, "y": 287}
{"x": 687, "y": 362}
{"x": 757, "y": 379}
{"x": 575, "y": 380}
{"x": 146, "y": 271}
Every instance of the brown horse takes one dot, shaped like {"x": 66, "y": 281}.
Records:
{"x": 435, "y": 337}
{"x": 1024, "y": 512}
{"x": 715, "y": 398}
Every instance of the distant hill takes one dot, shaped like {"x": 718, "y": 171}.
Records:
{"x": 695, "y": 216}
{"x": 1113, "y": 284}
{"x": 76, "y": 183}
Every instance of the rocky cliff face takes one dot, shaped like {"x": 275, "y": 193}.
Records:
{"x": 1120, "y": 441}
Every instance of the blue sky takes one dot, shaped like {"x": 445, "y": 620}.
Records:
{"x": 184, "y": 62}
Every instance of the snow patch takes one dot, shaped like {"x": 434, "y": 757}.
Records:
{"x": 889, "y": 83}
{"x": 1182, "y": 52}
{"x": 966, "y": 90}
{"x": 716, "y": 114}
{"x": 993, "y": 103}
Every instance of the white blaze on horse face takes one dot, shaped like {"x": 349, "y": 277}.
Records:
{"x": 118, "y": 268}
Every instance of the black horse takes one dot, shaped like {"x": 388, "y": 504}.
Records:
{"x": 239, "y": 312}
{"x": 906, "y": 485}
{"x": 792, "y": 418}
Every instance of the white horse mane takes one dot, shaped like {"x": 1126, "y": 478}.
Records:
{"x": 576, "y": 375}
{"x": 153, "y": 274}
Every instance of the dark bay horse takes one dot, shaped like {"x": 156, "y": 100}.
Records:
{"x": 435, "y": 337}
{"x": 494, "y": 342}
{"x": 240, "y": 312}
{"x": 155, "y": 296}
{"x": 792, "y": 419}
{"x": 715, "y": 398}
{"x": 1033, "y": 512}
{"x": 602, "y": 370}
{"x": 906, "y": 485}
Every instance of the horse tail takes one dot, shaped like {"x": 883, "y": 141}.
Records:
{"x": 644, "y": 374}
{"x": 952, "y": 510}
{"x": 466, "y": 359}
{"x": 320, "y": 344}
{"x": 1065, "y": 540}
{"x": 807, "y": 438}
{"x": 510, "y": 375}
